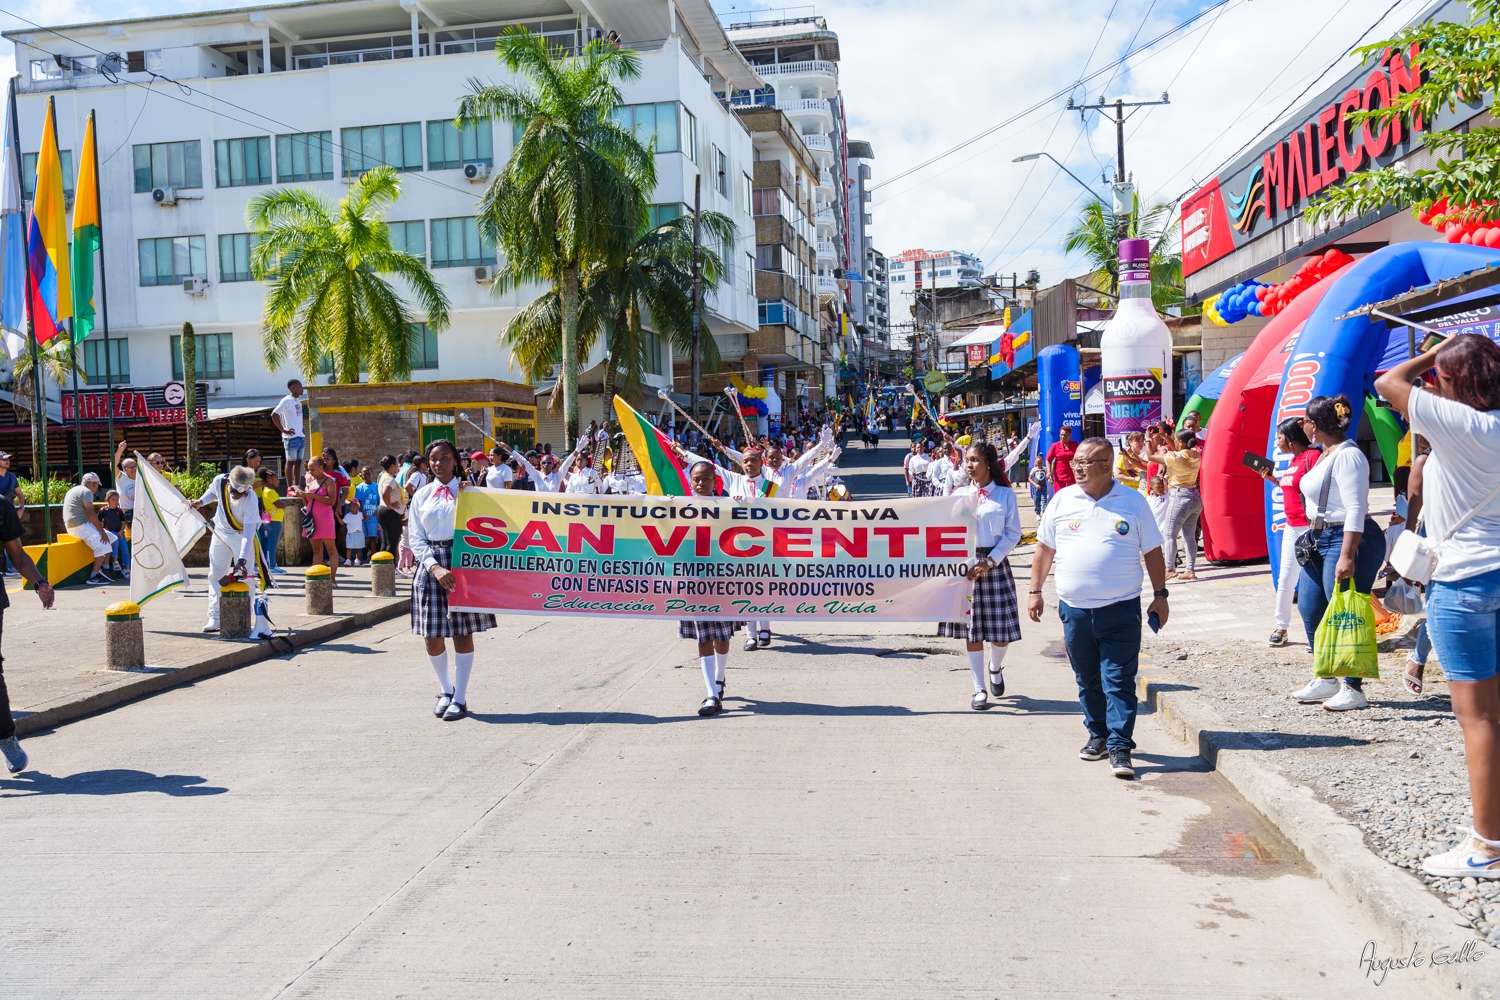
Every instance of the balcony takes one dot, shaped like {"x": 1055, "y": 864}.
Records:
{"x": 828, "y": 285}
{"x": 806, "y": 105}
{"x": 817, "y": 142}
{"x": 797, "y": 68}
{"x": 828, "y": 249}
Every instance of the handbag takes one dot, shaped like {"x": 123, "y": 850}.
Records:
{"x": 1415, "y": 557}
{"x": 1307, "y": 542}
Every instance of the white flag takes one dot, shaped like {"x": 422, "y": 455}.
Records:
{"x": 164, "y": 527}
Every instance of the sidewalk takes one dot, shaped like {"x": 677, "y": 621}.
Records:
{"x": 55, "y": 664}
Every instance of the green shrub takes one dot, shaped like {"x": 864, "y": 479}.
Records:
{"x": 31, "y": 489}
{"x": 193, "y": 485}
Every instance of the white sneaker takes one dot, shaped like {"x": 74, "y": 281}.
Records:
{"x": 1347, "y": 698}
{"x": 211, "y": 627}
{"x": 1321, "y": 689}
{"x": 1470, "y": 856}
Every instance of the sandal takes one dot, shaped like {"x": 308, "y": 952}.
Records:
{"x": 1410, "y": 680}
{"x": 1185, "y": 577}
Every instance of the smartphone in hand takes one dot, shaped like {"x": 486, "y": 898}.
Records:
{"x": 1154, "y": 620}
{"x": 1258, "y": 463}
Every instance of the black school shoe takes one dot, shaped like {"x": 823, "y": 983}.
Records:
{"x": 710, "y": 706}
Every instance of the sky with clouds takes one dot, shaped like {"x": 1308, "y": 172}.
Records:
{"x": 920, "y": 77}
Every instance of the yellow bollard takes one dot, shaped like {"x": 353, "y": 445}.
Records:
{"x": 124, "y": 636}
{"x": 383, "y": 575}
{"x": 236, "y": 618}
{"x": 319, "y": 590}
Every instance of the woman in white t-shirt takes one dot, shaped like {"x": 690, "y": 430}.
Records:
{"x": 916, "y": 470}
{"x": 1351, "y": 545}
{"x": 1461, "y": 510}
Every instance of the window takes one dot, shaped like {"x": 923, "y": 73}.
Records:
{"x": 28, "y": 173}
{"x": 306, "y": 156}
{"x": 424, "y": 356}
{"x": 659, "y": 215}
{"x": 766, "y": 201}
{"x": 449, "y": 149}
{"x": 768, "y": 257}
{"x": 240, "y": 162}
{"x": 672, "y": 126}
{"x": 410, "y": 237}
{"x": 94, "y": 357}
{"x": 215, "y": 355}
{"x": 720, "y": 165}
{"x": 773, "y": 311}
{"x": 726, "y": 254}
{"x": 399, "y": 146}
{"x": 748, "y": 188}
{"x": 653, "y": 353}
{"x": 234, "y": 256}
{"x": 945, "y": 271}
{"x": 456, "y": 243}
{"x": 750, "y": 271}
{"x": 168, "y": 164}
{"x": 169, "y": 260}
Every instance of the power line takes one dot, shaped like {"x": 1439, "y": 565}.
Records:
{"x": 1058, "y": 95}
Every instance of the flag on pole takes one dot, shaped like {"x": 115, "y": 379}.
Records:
{"x": 653, "y": 452}
{"x": 12, "y": 248}
{"x": 165, "y": 526}
{"x": 51, "y": 291}
{"x": 86, "y": 238}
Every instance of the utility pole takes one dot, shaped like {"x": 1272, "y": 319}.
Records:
{"x": 1122, "y": 188}
{"x": 697, "y": 289}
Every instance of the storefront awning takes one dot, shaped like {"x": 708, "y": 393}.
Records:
{"x": 228, "y": 412}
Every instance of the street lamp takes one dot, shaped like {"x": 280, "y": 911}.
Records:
{"x": 1035, "y": 156}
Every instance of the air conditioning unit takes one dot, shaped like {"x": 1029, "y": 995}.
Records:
{"x": 164, "y": 196}
{"x": 477, "y": 171}
{"x": 194, "y": 286}
{"x": 484, "y": 275}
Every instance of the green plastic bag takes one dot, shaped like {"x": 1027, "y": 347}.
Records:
{"x": 1344, "y": 645}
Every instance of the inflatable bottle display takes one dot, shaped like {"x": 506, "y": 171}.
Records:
{"x": 1136, "y": 351}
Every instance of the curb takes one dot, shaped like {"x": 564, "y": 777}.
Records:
{"x": 243, "y": 655}
{"x": 1401, "y": 908}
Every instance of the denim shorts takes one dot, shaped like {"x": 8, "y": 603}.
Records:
{"x": 1463, "y": 619}
{"x": 294, "y": 448}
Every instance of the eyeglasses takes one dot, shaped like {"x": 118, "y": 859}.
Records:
{"x": 1086, "y": 464}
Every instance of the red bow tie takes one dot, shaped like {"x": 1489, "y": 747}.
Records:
{"x": 984, "y": 494}
{"x": 443, "y": 491}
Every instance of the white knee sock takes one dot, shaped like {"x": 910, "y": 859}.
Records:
{"x": 707, "y": 663}
{"x": 440, "y": 667}
{"x": 997, "y": 655}
{"x": 976, "y": 667}
{"x": 463, "y": 665}
{"x": 721, "y": 660}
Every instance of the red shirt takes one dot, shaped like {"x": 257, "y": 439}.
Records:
{"x": 1291, "y": 487}
{"x": 1058, "y": 457}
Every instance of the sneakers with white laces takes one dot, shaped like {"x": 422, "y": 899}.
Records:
{"x": 15, "y": 757}
{"x": 1347, "y": 699}
{"x": 1321, "y": 689}
{"x": 1470, "y": 856}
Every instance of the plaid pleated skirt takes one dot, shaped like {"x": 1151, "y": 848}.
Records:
{"x": 430, "y": 617}
{"x": 921, "y": 486}
{"x": 993, "y": 615}
{"x": 708, "y": 631}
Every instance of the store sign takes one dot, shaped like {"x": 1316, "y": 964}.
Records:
{"x": 133, "y": 406}
{"x": 1265, "y": 188}
{"x": 1131, "y": 403}
{"x": 978, "y": 355}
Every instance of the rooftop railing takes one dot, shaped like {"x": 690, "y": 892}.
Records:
{"x": 793, "y": 68}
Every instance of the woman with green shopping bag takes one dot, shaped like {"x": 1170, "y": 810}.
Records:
{"x": 1344, "y": 544}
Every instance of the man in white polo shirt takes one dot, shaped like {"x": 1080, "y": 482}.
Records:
{"x": 1099, "y": 532}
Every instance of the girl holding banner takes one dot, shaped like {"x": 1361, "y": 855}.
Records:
{"x": 713, "y": 637}
{"x": 429, "y": 530}
{"x": 995, "y": 617}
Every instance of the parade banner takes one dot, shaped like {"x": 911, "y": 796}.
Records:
{"x": 711, "y": 558}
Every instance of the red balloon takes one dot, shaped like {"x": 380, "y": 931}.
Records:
{"x": 1492, "y": 238}
{"x": 1477, "y": 237}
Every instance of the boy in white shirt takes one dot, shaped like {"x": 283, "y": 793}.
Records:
{"x": 354, "y": 533}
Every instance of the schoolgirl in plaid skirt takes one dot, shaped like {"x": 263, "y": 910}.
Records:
{"x": 429, "y": 528}
{"x": 994, "y": 614}
{"x": 712, "y": 637}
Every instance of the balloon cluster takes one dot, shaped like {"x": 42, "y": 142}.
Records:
{"x": 1480, "y": 230}
{"x": 1252, "y": 298}
{"x": 752, "y": 400}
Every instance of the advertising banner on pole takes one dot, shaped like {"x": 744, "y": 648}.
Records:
{"x": 711, "y": 558}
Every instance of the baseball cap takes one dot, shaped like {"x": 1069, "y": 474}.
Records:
{"x": 90, "y": 476}
{"x": 478, "y": 455}
{"x": 4, "y": 456}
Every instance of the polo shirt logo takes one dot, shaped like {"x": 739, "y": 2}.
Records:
{"x": 1075, "y": 524}
{"x": 1122, "y": 527}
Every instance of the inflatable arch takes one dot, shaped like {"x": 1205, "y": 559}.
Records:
{"x": 1059, "y": 396}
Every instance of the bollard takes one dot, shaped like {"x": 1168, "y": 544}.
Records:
{"x": 236, "y": 617}
{"x": 124, "y": 636}
{"x": 383, "y": 574}
{"x": 319, "y": 590}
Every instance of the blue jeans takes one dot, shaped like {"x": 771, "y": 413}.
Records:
{"x": 1424, "y": 644}
{"x": 1464, "y": 617}
{"x": 1038, "y": 499}
{"x": 1104, "y": 646}
{"x": 270, "y": 537}
{"x": 1315, "y": 586}
{"x": 122, "y": 551}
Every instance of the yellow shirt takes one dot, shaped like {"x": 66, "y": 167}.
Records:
{"x": 268, "y": 498}
{"x": 1126, "y": 473}
{"x": 1403, "y": 451}
{"x": 1182, "y": 468}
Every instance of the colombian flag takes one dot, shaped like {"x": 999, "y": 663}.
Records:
{"x": 86, "y": 238}
{"x": 51, "y": 292}
{"x": 664, "y": 474}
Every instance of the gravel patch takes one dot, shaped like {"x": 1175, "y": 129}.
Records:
{"x": 1396, "y": 769}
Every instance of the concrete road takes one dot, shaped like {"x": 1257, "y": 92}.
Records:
{"x": 848, "y": 828}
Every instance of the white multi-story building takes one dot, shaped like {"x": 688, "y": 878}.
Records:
{"x": 199, "y": 113}
{"x": 869, "y": 295}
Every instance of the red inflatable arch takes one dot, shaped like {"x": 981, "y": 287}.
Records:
{"x": 1234, "y": 498}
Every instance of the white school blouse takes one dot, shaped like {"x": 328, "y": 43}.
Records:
{"x": 999, "y": 522}
{"x": 429, "y": 519}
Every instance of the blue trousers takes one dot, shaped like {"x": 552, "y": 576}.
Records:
{"x": 1315, "y": 586}
{"x": 1104, "y": 646}
{"x": 270, "y": 537}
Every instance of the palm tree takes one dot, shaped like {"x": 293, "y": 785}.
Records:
{"x": 573, "y": 193}
{"x": 651, "y": 287}
{"x": 327, "y": 297}
{"x": 58, "y": 363}
{"x": 1096, "y": 233}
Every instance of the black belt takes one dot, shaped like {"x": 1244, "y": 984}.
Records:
{"x": 983, "y": 550}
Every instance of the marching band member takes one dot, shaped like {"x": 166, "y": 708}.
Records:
{"x": 994, "y": 616}
{"x": 429, "y": 528}
{"x": 234, "y": 548}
